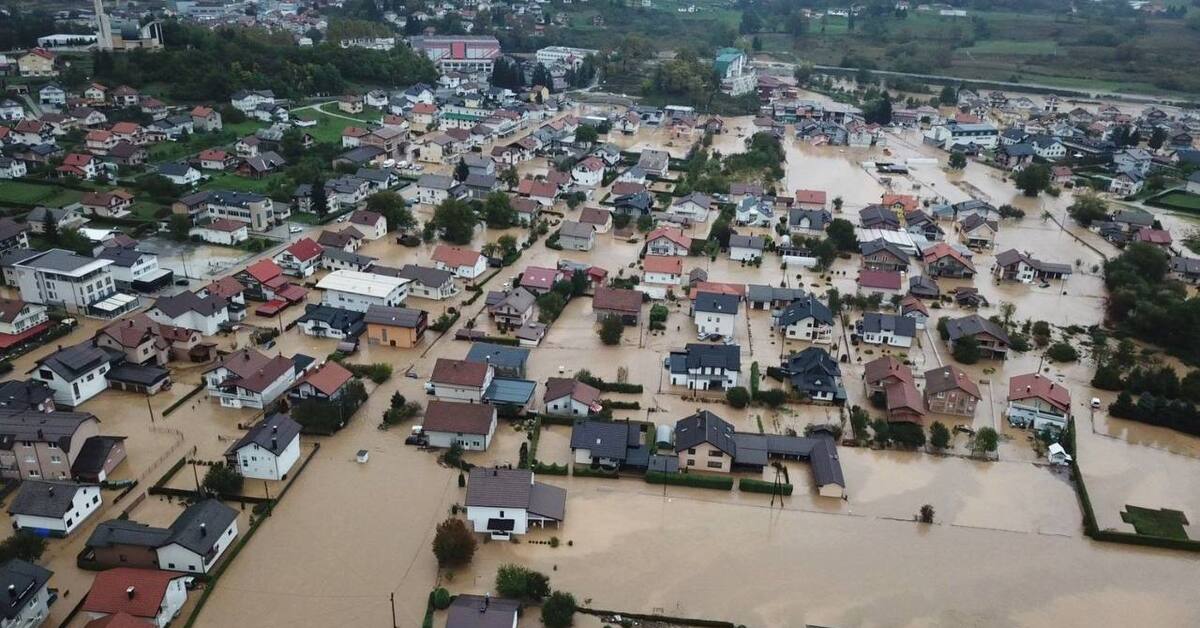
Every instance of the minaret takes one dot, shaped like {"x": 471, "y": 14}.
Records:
{"x": 104, "y": 39}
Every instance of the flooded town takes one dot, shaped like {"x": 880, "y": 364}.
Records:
{"x": 415, "y": 323}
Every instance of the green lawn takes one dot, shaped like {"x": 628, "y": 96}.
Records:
{"x": 1183, "y": 201}
{"x": 1012, "y": 47}
{"x": 22, "y": 193}
{"x": 369, "y": 114}
{"x": 328, "y": 129}
{"x": 1162, "y": 522}
{"x": 196, "y": 142}
{"x": 147, "y": 210}
{"x": 230, "y": 181}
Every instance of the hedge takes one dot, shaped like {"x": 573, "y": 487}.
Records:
{"x": 716, "y": 482}
{"x": 621, "y": 405}
{"x": 585, "y": 471}
{"x": 548, "y": 469}
{"x": 751, "y": 485}
{"x": 553, "y": 419}
{"x": 502, "y": 340}
{"x": 603, "y": 386}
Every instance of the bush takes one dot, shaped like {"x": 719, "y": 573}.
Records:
{"x": 441, "y": 598}
{"x": 926, "y": 514}
{"x": 453, "y": 543}
{"x": 966, "y": 350}
{"x": 522, "y": 583}
{"x": 559, "y": 610}
{"x": 444, "y": 322}
{"x": 378, "y": 372}
{"x": 716, "y": 482}
{"x": 658, "y": 313}
{"x": 223, "y": 479}
{"x": 939, "y": 435}
{"x": 907, "y": 434}
{"x": 986, "y": 440}
{"x": 738, "y": 397}
{"x": 24, "y": 545}
{"x": 772, "y": 397}
{"x": 752, "y": 485}
{"x": 603, "y": 386}
{"x": 1108, "y": 377}
{"x": 611, "y": 329}
{"x": 1062, "y": 352}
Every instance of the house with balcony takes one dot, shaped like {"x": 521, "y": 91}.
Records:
{"x": 1038, "y": 402}
{"x": 705, "y": 367}
{"x": 249, "y": 379}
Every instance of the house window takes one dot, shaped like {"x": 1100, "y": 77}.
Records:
{"x": 70, "y": 522}
{"x": 714, "y": 453}
{"x": 714, "y": 464}
{"x": 170, "y": 565}
{"x": 56, "y": 459}
{"x": 691, "y": 463}
{"x": 692, "y": 451}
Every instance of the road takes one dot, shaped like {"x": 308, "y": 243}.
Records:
{"x": 1016, "y": 87}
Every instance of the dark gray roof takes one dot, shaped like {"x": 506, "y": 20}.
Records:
{"x": 17, "y": 256}
{"x": 200, "y": 526}
{"x": 273, "y": 433}
{"x": 817, "y": 218}
{"x": 477, "y": 611}
{"x": 348, "y": 321}
{"x": 60, "y": 260}
{"x": 500, "y": 356}
{"x": 174, "y": 169}
{"x": 44, "y": 498}
{"x": 425, "y": 275}
{"x": 41, "y": 427}
{"x": 716, "y": 303}
{"x": 875, "y": 246}
{"x": 973, "y": 325}
{"x": 125, "y": 532}
{"x": 184, "y": 302}
{"x": 606, "y": 439}
{"x": 124, "y": 257}
{"x": 1179, "y": 264}
{"x": 26, "y": 580}
{"x": 804, "y": 308}
{"x": 813, "y": 370}
{"x": 140, "y": 374}
{"x": 73, "y": 362}
{"x": 394, "y": 316}
{"x": 23, "y": 394}
{"x": 705, "y": 427}
{"x": 873, "y": 215}
{"x": 514, "y": 488}
{"x": 349, "y": 257}
{"x": 746, "y": 241}
{"x": 94, "y": 454}
{"x": 759, "y": 293}
{"x": 697, "y": 355}
{"x": 875, "y": 322}
{"x": 922, "y": 285}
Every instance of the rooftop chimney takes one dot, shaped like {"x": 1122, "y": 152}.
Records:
{"x": 50, "y": 490}
{"x": 203, "y": 529}
{"x": 274, "y": 444}
{"x": 129, "y": 591}
{"x": 12, "y": 590}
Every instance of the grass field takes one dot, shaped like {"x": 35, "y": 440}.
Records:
{"x": 1180, "y": 200}
{"x": 328, "y": 129}
{"x": 230, "y": 181}
{"x": 196, "y": 142}
{"x": 21, "y": 193}
{"x": 1012, "y": 47}
{"x": 1163, "y": 522}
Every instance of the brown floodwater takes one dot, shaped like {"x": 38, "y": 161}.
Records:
{"x": 1007, "y": 549}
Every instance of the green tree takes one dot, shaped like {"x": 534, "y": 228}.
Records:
{"x": 1062, "y": 352}
{"x": 751, "y": 23}
{"x": 841, "y": 232}
{"x": 882, "y": 430}
{"x": 859, "y": 422}
{"x": 461, "y": 171}
{"x": 441, "y": 598}
{"x": 738, "y": 397}
{"x": 498, "y": 211}
{"x": 50, "y": 227}
{"x": 453, "y": 543}
{"x": 550, "y": 306}
{"x": 223, "y": 479}
{"x": 179, "y": 226}
{"x": 1033, "y": 179}
{"x": 522, "y": 583}
{"x": 966, "y": 350}
{"x": 24, "y": 545}
{"x": 986, "y": 440}
{"x": 611, "y": 329}
{"x": 926, "y": 514}
{"x": 586, "y": 134}
{"x": 939, "y": 435}
{"x": 1087, "y": 209}
{"x": 948, "y": 95}
{"x": 558, "y": 611}
{"x": 320, "y": 198}
{"x": 454, "y": 221}
{"x": 393, "y": 208}
{"x": 1157, "y": 138}
{"x": 958, "y": 160}
{"x": 509, "y": 177}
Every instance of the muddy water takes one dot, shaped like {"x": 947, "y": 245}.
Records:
{"x": 693, "y": 552}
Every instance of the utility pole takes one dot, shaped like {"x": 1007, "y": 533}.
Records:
{"x": 150, "y": 409}
{"x": 392, "y": 599}
{"x": 197, "y": 478}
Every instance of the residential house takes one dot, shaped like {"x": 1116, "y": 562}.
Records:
{"x": 372, "y": 225}
{"x": 13, "y": 236}
{"x": 577, "y": 236}
{"x": 949, "y": 390}
{"x": 745, "y": 248}
{"x": 657, "y": 269}
{"x": 571, "y": 397}
{"x": 327, "y": 382}
{"x": 462, "y": 262}
{"x": 75, "y": 374}
{"x": 668, "y": 241}
{"x": 887, "y": 329}
{"x": 705, "y": 366}
{"x": 428, "y": 283}
{"x": 224, "y": 231}
{"x": 324, "y": 321}
{"x": 881, "y": 255}
{"x": 1037, "y": 401}
{"x": 814, "y": 374}
{"x": 78, "y": 284}
{"x": 247, "y": 378}
{"x": 886, "y": 283}
{"x": 460, "y": 380}
{"x": 912, "y": 307}
{"x": 141, "y": 597}
{"x": 300, "y": 258}
{"x": 808, "y": 221}
{"x": 943, "y": 260}
{"x": 621, "y": 302}
{"x": 206, "y": 119}
{"x": 506, "y": 502}
{"x": 1014, "y": 265}
{"x": 193, "y": 543}
{"x": 53, "y": 507}
{"x": 395, "y": 326}
{"x": 29, "y": 600}
{"x": 180, "y": 174}
{"x": 806, "y": 318}
{"x": 978, "y": 231}
{"x": 476, "y": 611}
{"x": 20, "y": 322}
{"x": 715, "y": 314}
{"x": 470, "y": 425}
{"x": 654, "y": 162}
{"x": 992, "y": 339}
{"x": 692, "y": 208}
{"x": 136, "y": 270}
{"x": 357, "y": 291}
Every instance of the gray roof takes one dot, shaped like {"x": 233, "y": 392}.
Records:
{"x": 759, "y": 293}
{"x": 874, "y": 246}
{"x": 184, "y": 302}
{"x": 23, "y": 394}
{"x": 60, "y": 260}
{"x": 435, "y": 181}
{"x": 757, "y": 243}
{"x": 26, "y": 580}
{"x": 572, "y": 229}
{"x": 42, "y": 427}
{"x": 342, "y": 255}
{"x": 124, "y": 257}
{"x": 273, "y": 433}
{"x": 1132, "y": 217}
{"x": 606, "y": 439}
{"x": 73, "y": 362}
{"x": 519, "y": 299}
{"x": 125, "y": 532}
{"x": 200, "y": 526}
{"x": 350, "y": 322}
{"x": 697, "y": 355}
{"x": 817, "y": 218}
{"x": 1180, "y": 264}
{"x": 425, "y": 275}
{"x": 973, "y": 325}
{"x": 813, "y": 370}
{"x": 514, "y": 488}
{"x": 705, "y": 427}
{"x": 174, "y": 169}
{"x": 806, "y": 307}
{"x": 477, "y": 611}
{"x": 875, "y": 322}
{"x": 922, "y": 285}
{"x": 500, "y": 356}
{"x": 394, "y": 316}
{"x": 45, "y": 498}
{"x": 716, "y": 303}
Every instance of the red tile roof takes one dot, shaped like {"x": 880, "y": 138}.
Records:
{"x": 455, "y": 256}
{"x": 305, "y": 249}
{"x": 1033, "y": 385}
{"x": 908, "y": 201}
{"x": 884, "y": 279}
{"x": 941, "y": 249}
{"x": 465, "y": 418}
{"x": 109, "y": 592}
{"x": 538, "y": 277}
{"x": 880, "y": 369}
{"x": 329, "y": 377}
{"x": 717, "y": 287}
{"x": 226, "y": 287}
{"x": 264, "y": 270}
{"x": 459, "y": 373}
{"x": 672, "y": 234}
{"x": 810, "y": 196}
{"x": 617, "y": 299}
{"x": 672, "y": 264}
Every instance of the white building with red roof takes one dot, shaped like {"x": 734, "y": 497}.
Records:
{"x": 150, "y": 596}
{"x": 301, "y": 258}
{"x": 1038, "y": 402}
{"x": 464, "y": 262}
{"x": 667, "y": 241}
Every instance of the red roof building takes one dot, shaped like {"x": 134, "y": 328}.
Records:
{"x": 139, "y": 593}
